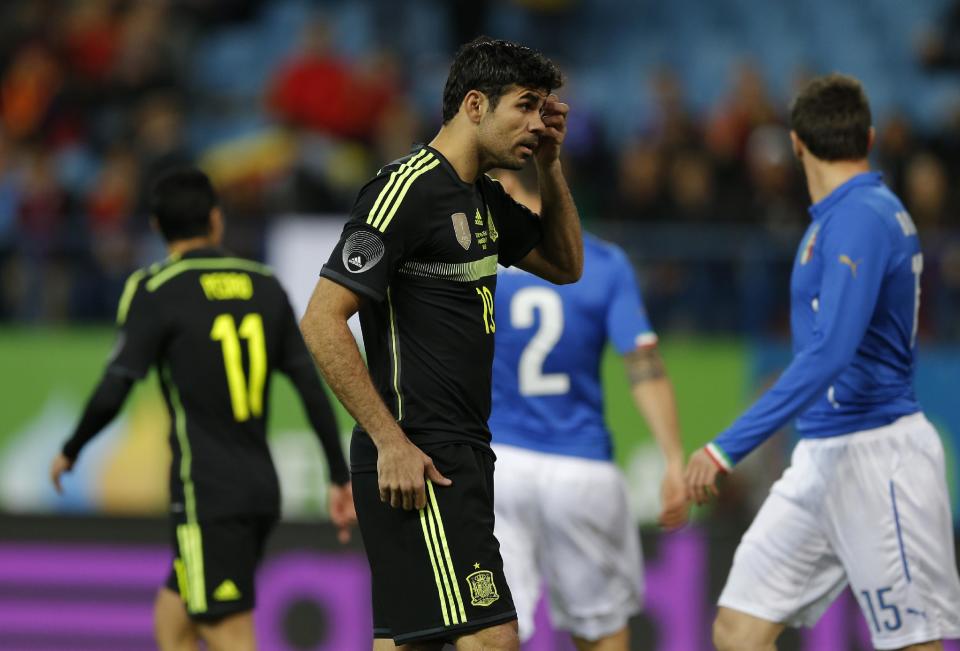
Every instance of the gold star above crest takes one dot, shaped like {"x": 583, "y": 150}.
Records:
{"x": 476, "y": 566}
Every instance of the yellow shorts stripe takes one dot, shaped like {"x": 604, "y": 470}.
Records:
{"x": 191, "y": 553}
{"x": 436, "y": 569}
{"x": 432, "y": 502}
{"x": 181, "y": 573}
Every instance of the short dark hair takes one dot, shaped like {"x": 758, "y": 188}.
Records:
{"x": 181, "y": 202}
{"x": 831, "y": 116}
{"x": 490, "y": 66}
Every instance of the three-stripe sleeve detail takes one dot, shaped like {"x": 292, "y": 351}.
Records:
{"x": 392, "y": 194}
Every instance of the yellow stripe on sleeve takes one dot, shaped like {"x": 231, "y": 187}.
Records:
{"x": 393, "y": 177}
{"x": 406, "y": 186}
{"x": 401, "y": 186}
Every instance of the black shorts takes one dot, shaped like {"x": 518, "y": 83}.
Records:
{"x": 437, "y": 572}
{"x": 214, "y": 563}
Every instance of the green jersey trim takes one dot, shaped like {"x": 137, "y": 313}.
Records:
{"x": 195, "y": 264}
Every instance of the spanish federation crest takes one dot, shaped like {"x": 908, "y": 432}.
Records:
{"x": 461, "y": 229}
{"x": 483, "y": 591}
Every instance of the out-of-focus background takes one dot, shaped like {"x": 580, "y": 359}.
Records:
{"x": 677, "y": 150}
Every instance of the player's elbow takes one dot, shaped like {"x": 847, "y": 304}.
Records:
{"x": 568, "y": 274}
{"x": 575, "y": 273}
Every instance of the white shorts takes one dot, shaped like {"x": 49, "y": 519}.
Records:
{"x": 870, "y": 509}
{"x": 564, "y": 521}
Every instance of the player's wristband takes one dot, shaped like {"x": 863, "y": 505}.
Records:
{"x": 719, "y": 457}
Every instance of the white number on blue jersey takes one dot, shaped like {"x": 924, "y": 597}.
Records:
{"x": 533, "y": 381}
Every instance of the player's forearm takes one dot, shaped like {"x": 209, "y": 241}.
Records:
{"x": 562, "y": 240}
{"x": 655, "y": 399}
{"x": 335, "y": 350}
{"x": 104, "y": 404}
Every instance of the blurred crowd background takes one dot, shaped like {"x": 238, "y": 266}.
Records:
{"x": 678, "y": 146}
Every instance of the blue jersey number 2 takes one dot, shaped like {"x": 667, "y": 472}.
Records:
{"x": 525, "y": 304}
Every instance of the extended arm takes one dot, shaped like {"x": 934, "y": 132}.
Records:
{"x": 654, "y": 397}
{"x": 103, "y": 405}
{"x": 848, "y": 297}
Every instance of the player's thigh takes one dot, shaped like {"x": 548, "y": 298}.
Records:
{"x": 893, "y": 529}
{"x": 383, "y": 644}
{"x": 737, "y": 631}
{"x": 231, "y": 633}
{"x": 502, "y": 637}
{"x": 173, "y": 629}
{"x": 437, "y": 572}
{"x": 518, "y": 527}
{"x": 785, "y": 569}
{"x": 591, "y": 551}
{"x": 215, "y": 563}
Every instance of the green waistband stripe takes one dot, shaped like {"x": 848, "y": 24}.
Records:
{"x": 204, "y": 264}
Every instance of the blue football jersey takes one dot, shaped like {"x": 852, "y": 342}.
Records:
{"x": 549, "y": 342}
{"x": 854, "y": 300}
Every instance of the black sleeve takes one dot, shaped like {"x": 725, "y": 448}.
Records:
{"x": 102, "y": 407}
{"x": 375, "y": 239}
{"x": 142, "y": 329}
{"x": 295, "y": 362}
{"x": 517, "y": 227}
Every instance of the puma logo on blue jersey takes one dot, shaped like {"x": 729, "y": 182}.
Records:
{"x": 845, "y": 259}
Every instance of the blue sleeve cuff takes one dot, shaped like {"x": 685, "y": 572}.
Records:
{"x": 719, "y": 457}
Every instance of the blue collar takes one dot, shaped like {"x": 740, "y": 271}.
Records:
{"x": 822, "y": 207}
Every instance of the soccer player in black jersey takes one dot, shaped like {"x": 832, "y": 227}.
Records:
{"x": 215, "y": 327}
{"x": 418, "y": 260}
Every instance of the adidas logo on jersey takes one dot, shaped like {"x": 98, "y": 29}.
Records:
{"x": 356, "y": 262}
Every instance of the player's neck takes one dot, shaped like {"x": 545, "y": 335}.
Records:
{"x": 178, "y": 248}
{"x": 823, "y": 177}
{"x": 460, "y": 151}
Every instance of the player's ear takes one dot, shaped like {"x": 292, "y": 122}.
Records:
{"x": 474, "y": 106}
{"x": 216, "y": 225}
{"x": 797, "y": 145}
{"x": 871, "y": 138}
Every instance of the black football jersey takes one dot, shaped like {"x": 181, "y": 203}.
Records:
{"x": 422, "y": 247}
{"x": 215, "y": 327}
